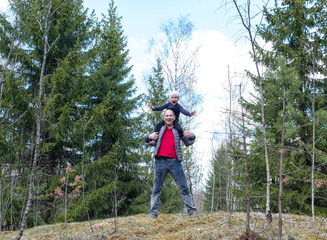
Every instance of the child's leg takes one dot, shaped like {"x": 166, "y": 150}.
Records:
{"x": 178, "y": 128}
{"x": 159, "y": 125}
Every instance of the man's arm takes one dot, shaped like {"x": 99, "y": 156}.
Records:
{"x": 151, "y": 136}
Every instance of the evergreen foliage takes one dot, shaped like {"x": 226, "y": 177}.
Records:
{"x": 88, "y": 102}
{"x": 216, "y": 186}
{"x": 92, "y": 115}
{"x": 295, "y": 29}
{"x": 295, "y": 62}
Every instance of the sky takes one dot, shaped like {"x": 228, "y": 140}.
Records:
{"x": 217, "y": 32}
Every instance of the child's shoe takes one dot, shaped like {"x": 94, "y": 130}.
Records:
{"x": 153, "y": 143}
{"x": 186, "y": 141}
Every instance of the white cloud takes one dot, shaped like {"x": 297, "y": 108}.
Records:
{"x": 4, "y": 4}
{"x": 216, "y": 54}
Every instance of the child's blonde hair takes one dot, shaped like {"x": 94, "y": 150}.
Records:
{"x": 174, "y": 93}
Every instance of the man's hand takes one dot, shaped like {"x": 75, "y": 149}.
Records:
{"x": 189, "y": 134}
{"x": 153, "y": 136}
{"x": 193, "y": 113}
{"x": 152, "y": 107}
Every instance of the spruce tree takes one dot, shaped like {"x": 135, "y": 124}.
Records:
{"x": 295, "y": 30}
{"x": 112, "y": 141}
{"x": 67, "y": 40}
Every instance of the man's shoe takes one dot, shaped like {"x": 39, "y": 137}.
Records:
{"x": 193, "y": 214}
{"x": 152, "y": 217}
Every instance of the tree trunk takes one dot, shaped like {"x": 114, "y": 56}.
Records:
{"x": 231, "y": 139}
{"x": 248, "y": 26}
{"x": 213, "y": 185}
{"x": 313, "y": 152}
{"x": 11, "y": 200}
{"x": 65, "y": 197}
{"x": 282, "y": 150}
{"x": 115, "y": 192}
{"x": 1, "y": 187}
{"x": 38, "y": 124}
{"x": 246, "y": 179}
{"x": 83, "y": 177}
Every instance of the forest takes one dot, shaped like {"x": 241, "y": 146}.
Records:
{"x": 72, "y": 123}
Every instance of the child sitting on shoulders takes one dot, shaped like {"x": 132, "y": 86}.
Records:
{"x": 177, "y": 109}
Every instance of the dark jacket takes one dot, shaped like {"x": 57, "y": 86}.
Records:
{"x": 177, "y": 109}
{"x": 177, "y": 138}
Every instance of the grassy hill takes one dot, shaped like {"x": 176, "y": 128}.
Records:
{"x": 179, "y": 226}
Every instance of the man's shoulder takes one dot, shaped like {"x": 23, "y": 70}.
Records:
{"x": 176, "y": 132}
{"x": 163, "y": 128}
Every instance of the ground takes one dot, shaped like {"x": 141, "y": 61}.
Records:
{"x": 219, "y": 225}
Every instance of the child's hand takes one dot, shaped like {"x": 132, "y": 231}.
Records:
{"x": 188, "y": 134}
{"x": 152, "y": 107}
{"x": 153, "y": 136}
{"x": 193, "y": 113}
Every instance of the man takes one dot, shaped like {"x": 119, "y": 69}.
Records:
{"x": 168, "y": 158}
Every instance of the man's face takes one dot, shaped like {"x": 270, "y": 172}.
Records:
{"x": 174, "y": 99}
{"x": 169, "y": 118}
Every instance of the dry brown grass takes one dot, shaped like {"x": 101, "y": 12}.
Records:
{"x": 179, "y": 226}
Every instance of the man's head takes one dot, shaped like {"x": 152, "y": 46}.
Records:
{"x": 174, "y": 97}
{"x": 169, "y": 117}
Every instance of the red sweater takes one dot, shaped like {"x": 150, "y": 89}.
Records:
{"x": 167, "y": 146}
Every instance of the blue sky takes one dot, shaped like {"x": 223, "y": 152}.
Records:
{"x": 141, "y": 18}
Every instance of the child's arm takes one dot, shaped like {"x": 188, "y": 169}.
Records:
{"x": 158, "y": 108}
{"x": 185, "y": 112}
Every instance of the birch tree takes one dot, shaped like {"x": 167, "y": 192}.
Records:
{"x": 246, "y": 17}
{"x": 313, "y": 152}
{"x": 246, "y": 171}
{"x": 45, "y": 28}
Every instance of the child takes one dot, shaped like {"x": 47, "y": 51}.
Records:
{"x": 177, "y": 108}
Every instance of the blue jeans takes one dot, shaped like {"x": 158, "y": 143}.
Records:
{"x": 174, "y": 167}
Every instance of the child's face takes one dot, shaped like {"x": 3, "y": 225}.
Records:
{"x": 174, "y": 99}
